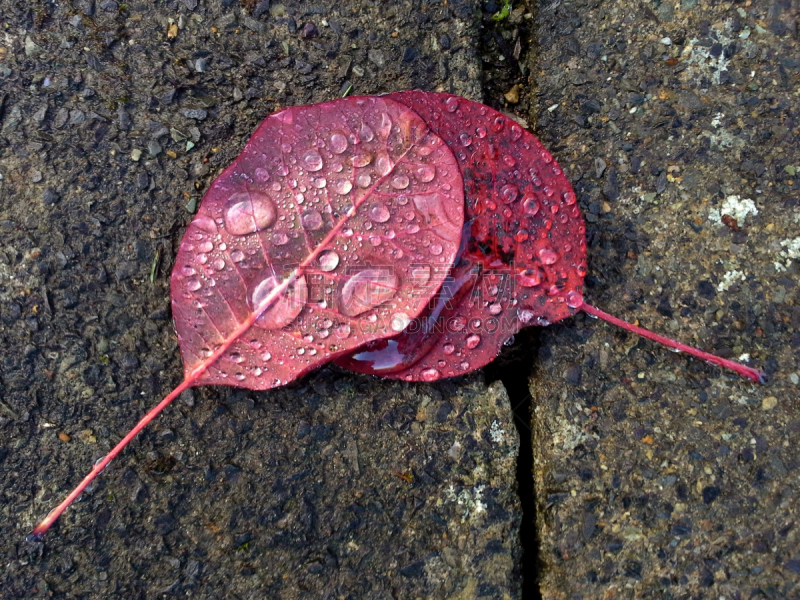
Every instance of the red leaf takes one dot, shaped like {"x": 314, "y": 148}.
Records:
{"x": 525, "y": 258}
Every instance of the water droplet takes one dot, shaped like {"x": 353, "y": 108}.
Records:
{"x": 386, "y": 125}
{"x": 338, "y": 143}
{"x": 202, "y": 258}
{"x": 426, "y": 173}
{"x": 280, "y": 238}
{"x": 574, "y": 299}
{"x": 495, "y": 308}
{"x": 430, "y": 374}
{"x": 521, "y": 235}
{"x": 569, "y": 197}
{"x": 531, "y": 206}
{"x": 328, "y": 260}
{"x": 473, "y": 341}
{"x": 412, "y": 228}
{"x": 361, "y": 159}
{"x": 248, "y": 212}
{"x": 525, "y": 315}
{"x": 365, "y": 133}
{"x": 283, "y": 309}
{"x": 188, "y": 271}
{"x": 311, "y": 219}
{"x": 257, "y": 372}
{"x": 419, "y": 275}
{"x": 312, "y": 160}
{"x": 379, "y": 212}
{"x": 319, "y": 182}
{"x": 266, "y": 357}
{"x": 449, "y": 349}
{"x": 283, "y": 171}
{"x": 205, "y": 246}
{"x": 342, "y": 186}
{"x": 239, "y": 376}
{"x": 509, "y": 193}
{"x": 193, "y": 285}
{"x": 400, "y": 181}
{"x": 548, "y": 256}
{"x": 480, "y": 132}
{"x": 261, "y": 174}
{"x": 235, "y": 357}
{"x": 286, "y": 148}
{"x": 516, "y": 132}
{"x": 400, "y": 321}
{"x": 451, "y": 105}
{"x": 308, "y": 338}
{"x": 375, "y": 240}
{"x": 498, "y": 123}
{"x": 364, "y": 180}
{"x": 218, "y": 264}
{"x": 384, "y": 165}
{"x": 366, "y": 290}
{"x": 530, "y": 277}
{"x": 464, "y": 365}
{"x": 465, "y": 138}
{"x": 436, "y": 249}
{"x": 342, "y": 331}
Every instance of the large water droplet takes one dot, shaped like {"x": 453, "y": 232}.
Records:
{"x": 248, "y": 212}
{"x": 312, "y": 160}
{"x": 366, "y": 290}
{"x": 449, "y": 349}
{"x": 338, "y": 143}
{"x": 516, "y": 132}
{"x": 379, "y": 212}
{"x": 205, "y": 246}
{"x": 361, "y": 159}
{"x": 548, "y": 256}
{"x": 342, "y": 331}
{"x": 386, "y": 125}
{"x": 569, "y": 197}
{"x": 481, "y": 132}
{"x": 311, "y": 219}
{"x": 419, "y": 275}
{"x": 495, "y": 308}
{"x": 451, "y": 104}
{"x": 282, "y": 309}
{"x": 465, "y": 138}
{"x": 384, "y": 165}
{"x": 328, "y": 260}
{"x": 280, "y": 238}
{"x": 261, "y": 174}
{"x": 436, "y": 249}
{"x": 218, "y": 264}
{"x": 473, "y": 341}
{"x": 342, "y": 186}
{"x": 193, "y": 285}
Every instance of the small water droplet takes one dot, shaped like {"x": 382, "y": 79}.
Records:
{"x": 235, "y": 357}
{"x": 311, "y": 219}
{"x": 338, "y": 143}
{"x": 312, "y": 160}
{"x": 261, "y": 174}
{"x": 366, "y": 290}
{"x": 384, "y": 165}
{"x": 449, "y": 349}
{"x": 436, "y": 249}
{"x": 218, "y": 264}
{"x": 342, "y": 331}
{"x": 319, "y": 182}
{"x": 481, "y": 132}
{"x": 364, "y": 180}
{"x": 400, "y": 321}
{"x": 266, "y": 357}
{"x": 342, "y": 186}
{"x": 451, "y": 105}
{"x": 248, "y": 212}
{"x": 286, "y": 148}
{"x": 205, "y": 246}
{"x": 547, "y": 256}
{"x": 531, "y": 206}
{"x": 495, "y": 308}
{"x": 379, "y": 212}
{"x": 516, "y": 132}
{"x": 283, "y": 171}
{"x": 430, "y": 374}
{"x": 473, "y": 341}
{"x": 509, "y": 193}
{"x": 239, "y": 377}
{"x": 328, "y": 260}
{"x": 280, "y": 238}
{"x": 366, "y": 133}
{"x": 400, "y": 181}
{"x": 188, "y": 271}
{"x": 509, "y": 160}
{"x": 464, "y": 365}
{"x": 362, "y": 159}
{"x": 521, "y": 235}
{"x": 465, "y": 138}
{"x": 257, "y": 372}
{"x": 569, "y": 197}
{"x": 574, "y": 299}
{"x": 375, "y": 240}
{"x": 530, "y": 277}
{"x": 193, "y": 285}
{"x": 419, "y": 275}
{"x": 498, "y": 123}
{"x": 426, "y": 173}
{"x": 412, "y": 228}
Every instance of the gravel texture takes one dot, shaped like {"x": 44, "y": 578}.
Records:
{"x": 114, "y": 119}
{"x": 658, "y": 475}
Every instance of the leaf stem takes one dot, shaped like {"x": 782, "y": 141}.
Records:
{"x": 740, "y": 369}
